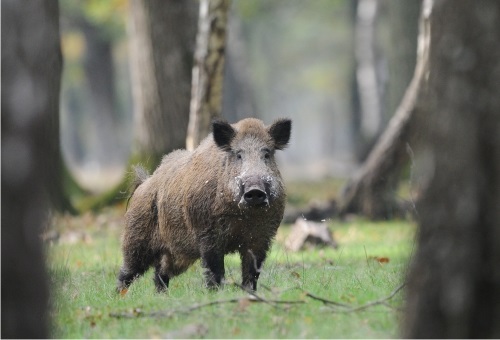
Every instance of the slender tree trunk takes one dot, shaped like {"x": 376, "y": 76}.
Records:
{"x": 99, "y": 73}
{"x": 367, "y": 80}
{"x": 454, "y": 281}
{"x": 206, "y": 92}
{"x": 162, "y": 43}
{"x": 31, "y": 163}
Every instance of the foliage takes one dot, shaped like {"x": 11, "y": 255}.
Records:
{"x": 83, "y": 273}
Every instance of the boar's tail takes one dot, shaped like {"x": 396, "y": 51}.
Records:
{"x": 140, "y": 175}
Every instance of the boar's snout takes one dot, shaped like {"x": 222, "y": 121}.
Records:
{"x": 255, "y": 196}
{"x": 254, "y": 191}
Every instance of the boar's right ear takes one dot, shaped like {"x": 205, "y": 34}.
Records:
{"x": 223, "y": 134}
{"x": 280, "y": 132}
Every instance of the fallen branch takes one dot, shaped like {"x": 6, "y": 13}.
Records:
{"x": 168, "y": 313}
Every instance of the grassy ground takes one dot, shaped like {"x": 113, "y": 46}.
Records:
{"x": 369, "y": 264}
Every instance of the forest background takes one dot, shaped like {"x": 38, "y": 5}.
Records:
{"x": 366, "y": 109}
{"x": 291, "y": 59}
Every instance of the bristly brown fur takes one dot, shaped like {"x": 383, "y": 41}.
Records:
{"x": 140, "y": 175}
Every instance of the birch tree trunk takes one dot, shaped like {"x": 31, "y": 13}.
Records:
{"x": 206, "y": 90}
{"x": 454, "y": 281}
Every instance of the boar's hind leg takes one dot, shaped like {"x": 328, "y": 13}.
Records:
{"x": 161, "y": 277}
{"x": 251, "y": 263}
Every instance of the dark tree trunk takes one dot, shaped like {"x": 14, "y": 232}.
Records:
{"x": 44, "y": 67}
{"x": 206, "y": 91}
{"x": 454, "y": 281}
{"x": 162, "y": 44}
{"x": 31, "y": 163}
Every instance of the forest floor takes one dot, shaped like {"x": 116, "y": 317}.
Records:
{"x": 320, "y": 292}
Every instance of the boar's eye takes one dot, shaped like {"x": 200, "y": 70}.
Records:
{"x": 238, "y": 155}
{"x": 267, "y": 153}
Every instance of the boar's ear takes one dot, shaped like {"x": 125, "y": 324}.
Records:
{"x": 280, "y": 132}
{"x": 223, "y": 134}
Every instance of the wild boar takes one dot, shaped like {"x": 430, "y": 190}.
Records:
{"x": 225, "y": 196}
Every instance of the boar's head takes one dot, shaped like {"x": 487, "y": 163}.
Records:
{"x": 250, "y": 149}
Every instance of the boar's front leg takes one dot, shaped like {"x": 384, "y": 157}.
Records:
{"x": 251, "y": 263}
{"x": 212, "y": 259}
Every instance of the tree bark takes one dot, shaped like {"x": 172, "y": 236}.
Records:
{"x": 162, "y": 34}
{"x": 454, "y": 281}
{"x": 206, "y": 91}
{"x": 31, "y": 162}
{"x": 371, "y": 191}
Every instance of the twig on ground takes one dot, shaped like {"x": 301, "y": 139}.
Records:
{"x": 382, "y": 301}
{"x": 325, "y": 301}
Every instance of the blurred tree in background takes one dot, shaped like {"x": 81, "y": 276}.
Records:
{"x": 31, "y": 160}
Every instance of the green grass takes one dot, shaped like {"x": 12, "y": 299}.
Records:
{"x": 83, "y": 276}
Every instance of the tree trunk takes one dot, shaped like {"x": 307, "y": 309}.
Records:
{"x": 48, "y": 75}
{"x": 99, "y": 73}
{"x": 206, "y": 92}
{"x": 162, "y": 39}
{"x": 367, "y": 79}
{"x": 371, "y": 192}
{"x": 31, "y": 163}
{"x": 454, "y": 281}
{"x": 162, "y": 34}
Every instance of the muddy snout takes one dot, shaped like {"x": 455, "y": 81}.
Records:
{"x": 254, "y": 191}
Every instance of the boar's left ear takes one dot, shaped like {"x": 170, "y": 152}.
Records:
{"x": 280, "y": 132}
{"x": 223, "y": 134}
